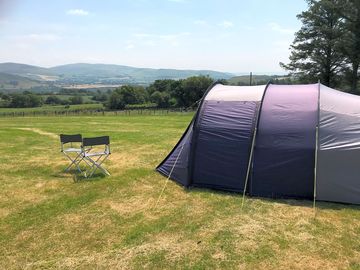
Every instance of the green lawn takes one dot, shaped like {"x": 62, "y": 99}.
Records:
{"x": 49, "y": 221}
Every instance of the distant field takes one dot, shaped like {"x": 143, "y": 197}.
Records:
{"x": 86, "y": 99}
{"x": 48, "y": 221}
{"x": 57, "y": 108}
{"x": 90, "y": 86}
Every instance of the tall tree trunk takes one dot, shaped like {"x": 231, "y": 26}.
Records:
{"x": 354, "y": 77}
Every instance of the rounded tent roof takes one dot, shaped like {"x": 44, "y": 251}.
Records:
{"x": 236, "y": 93}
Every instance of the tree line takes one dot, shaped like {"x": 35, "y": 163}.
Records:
{"x": 28, "y": 99}
{"x": 162, "y": 93}
{"x": 327, "y": 47}
{"x": 165, "y": 93}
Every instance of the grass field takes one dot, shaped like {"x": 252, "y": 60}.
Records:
{"x": 48, "y": 221}
{"x": 57, "y": 108}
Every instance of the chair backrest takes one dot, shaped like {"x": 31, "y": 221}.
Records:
{"x": 103, "y": 140}
{"x": 70, "y": 138}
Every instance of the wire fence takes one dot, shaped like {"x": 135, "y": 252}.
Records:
{"x": 127, "y": 112}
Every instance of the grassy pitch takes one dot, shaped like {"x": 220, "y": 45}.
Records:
{"x": 48, "y": 221}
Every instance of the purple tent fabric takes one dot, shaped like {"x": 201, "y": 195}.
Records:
{"x": 215, "y": 149}
{"x": 224, "y": 136}
{"x": 339, "y": 147}
{"x": 215, "y": 153}
{"x": 285, "y": 145}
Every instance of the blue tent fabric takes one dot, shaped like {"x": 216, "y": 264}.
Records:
{"x": 180, "y": 154}
{"x": 284, "y": 153}
{"x": 224, "y": 138}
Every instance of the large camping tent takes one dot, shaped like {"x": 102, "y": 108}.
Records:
{"x": 287, "y": 141}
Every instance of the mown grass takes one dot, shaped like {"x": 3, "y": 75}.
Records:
{"x": 48, "y": 221}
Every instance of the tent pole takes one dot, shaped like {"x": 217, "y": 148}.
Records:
{"x": 316, "y": 153}
{"x": 316, "y": 149}
{"x": 253, "y": 144}
{"x": 248, "y": 168}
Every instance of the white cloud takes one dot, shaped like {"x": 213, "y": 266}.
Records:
{"x": 226, "y": 24}
{"x": 130, "y": 46}
{"x": 38, "y": 37}
{"x": 77, "y": 12}
{"x": 277, "y": 28}
{"x": 200, "y": 22}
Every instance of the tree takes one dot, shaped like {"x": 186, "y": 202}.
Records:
{"x": 162, "y": 92}
{"x": 132, "y": 94}
{"x": 191, "y": 90}
{"x": 53, "y": 100}
{"x": 116, "y": 101}
{"x": 100, "y": 96}
{"x": 161, "y": 99}
{"x": 351, "y": 41}
{"x": 126, "y": 94}
{"x": 25, "y": 101}
{"x": 316, "y": 52}
{"x": 161, "y": 86}
{"x": 76, "y": 100}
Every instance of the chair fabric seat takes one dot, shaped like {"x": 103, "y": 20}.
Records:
{"x": 92, "y": 154}
{"x": 77, "y": 150}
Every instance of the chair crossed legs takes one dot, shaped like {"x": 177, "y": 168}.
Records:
{"x": 94, "y": 159}
{"x": 87, "y": 151}
{"x": 73, "y": 153}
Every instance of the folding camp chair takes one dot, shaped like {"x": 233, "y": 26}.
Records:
{"x": 72, "y": 153}
{"x": 95, "y": 158}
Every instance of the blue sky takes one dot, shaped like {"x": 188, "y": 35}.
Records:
{"x": 233, "y": 36}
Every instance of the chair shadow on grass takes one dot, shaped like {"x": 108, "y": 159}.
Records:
{"x": 80, "y": 178}
{"x": 288, "y": 201}
{"x": 77, "y": 177}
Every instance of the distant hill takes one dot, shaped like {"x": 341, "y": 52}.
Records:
{"x": 102, "y": 73}
{"x": 23, "y": 69}
{"x": 11, "y": 81}
{"x": 136, "y": 74}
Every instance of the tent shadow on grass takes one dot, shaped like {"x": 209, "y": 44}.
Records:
{"x": 288, "y": 201}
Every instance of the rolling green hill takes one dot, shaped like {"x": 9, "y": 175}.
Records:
{"x": 11, "y": 81}
{"x": 140, "y": 75}
{"x": 23, "y": 69}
